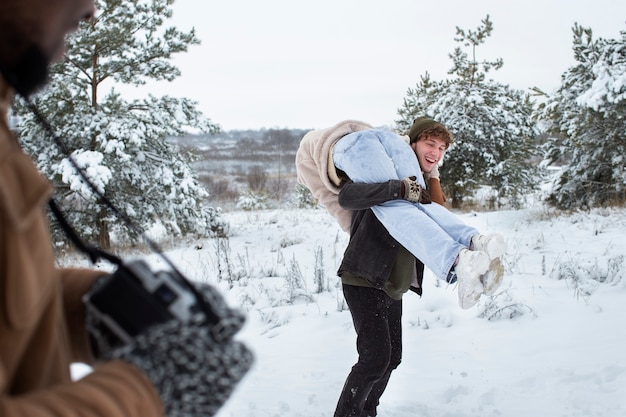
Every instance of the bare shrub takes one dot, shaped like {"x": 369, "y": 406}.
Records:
{"x": 584, "y": 276}
{"x": 257, "y": 179}
{"x": 294, "y": 283}
{"x": 219, "y": 189}
{"x": 321, "y": 283}
{"x": 502, "y": 306}
{"x": 224, "y": 262}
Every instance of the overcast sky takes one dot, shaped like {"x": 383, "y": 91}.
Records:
{"x": 310, "y": 64}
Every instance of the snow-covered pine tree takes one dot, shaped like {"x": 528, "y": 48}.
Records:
{"x": 589, "y": 109}
{"x": 491, "y": 124}
{"x": 122, "y": 144}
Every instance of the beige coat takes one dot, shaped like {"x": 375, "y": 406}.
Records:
{"x": 42, "y": 329}
{"x": 316, "y": 170}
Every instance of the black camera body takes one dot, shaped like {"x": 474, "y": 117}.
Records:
{"x": 134, "y": 298}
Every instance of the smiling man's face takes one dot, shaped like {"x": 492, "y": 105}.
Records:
{"x": 429, "y": 151}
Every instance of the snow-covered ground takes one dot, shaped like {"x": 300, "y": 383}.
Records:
{"x": 550, "y": 343}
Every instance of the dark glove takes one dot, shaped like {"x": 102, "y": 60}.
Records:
{"x": 425, "y": 197}
{"x": 412, "y": 191}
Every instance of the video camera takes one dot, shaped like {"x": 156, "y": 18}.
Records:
{"x": 134, "y": 298}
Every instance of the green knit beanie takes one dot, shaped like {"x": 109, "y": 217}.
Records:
{"x": 419, "y": 125}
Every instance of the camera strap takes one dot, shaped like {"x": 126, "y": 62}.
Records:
{"x": 93, "y": 252}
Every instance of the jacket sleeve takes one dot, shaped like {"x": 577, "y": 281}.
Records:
{"x": 436, "y": 193}
{"x": 362, "y": 196}
{"x": 115, "y": 389}
{"x": 75, "y": 284}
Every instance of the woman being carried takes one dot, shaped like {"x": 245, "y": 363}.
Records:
{"x": 355, "y": 151}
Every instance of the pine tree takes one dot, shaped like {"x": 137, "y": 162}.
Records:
{"x": 589, "y": 109}
{"x": 491, "y": 124}
{"x": 122, "y": 144}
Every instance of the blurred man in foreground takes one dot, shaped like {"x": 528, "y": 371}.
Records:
{"x": 173, "y": 369}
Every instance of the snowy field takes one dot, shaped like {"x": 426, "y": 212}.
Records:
{"x": 550, "y": 343}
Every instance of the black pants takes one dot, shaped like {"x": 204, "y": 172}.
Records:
{"x": 377, "y": 320}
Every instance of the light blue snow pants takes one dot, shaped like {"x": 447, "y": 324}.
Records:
{"x": 430, "y": 232}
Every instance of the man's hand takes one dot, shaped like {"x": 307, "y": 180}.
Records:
{"x": 434, "y": 173}
{"x": 413, "y": 192}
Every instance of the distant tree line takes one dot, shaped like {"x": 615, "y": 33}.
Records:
{"x": 245, "y": 164}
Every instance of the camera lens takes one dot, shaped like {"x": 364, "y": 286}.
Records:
{"x": 165, "y": 294}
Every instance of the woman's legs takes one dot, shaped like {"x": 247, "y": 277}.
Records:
{"x": 430, "y": 232}
{"x": 423, "y": 237}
